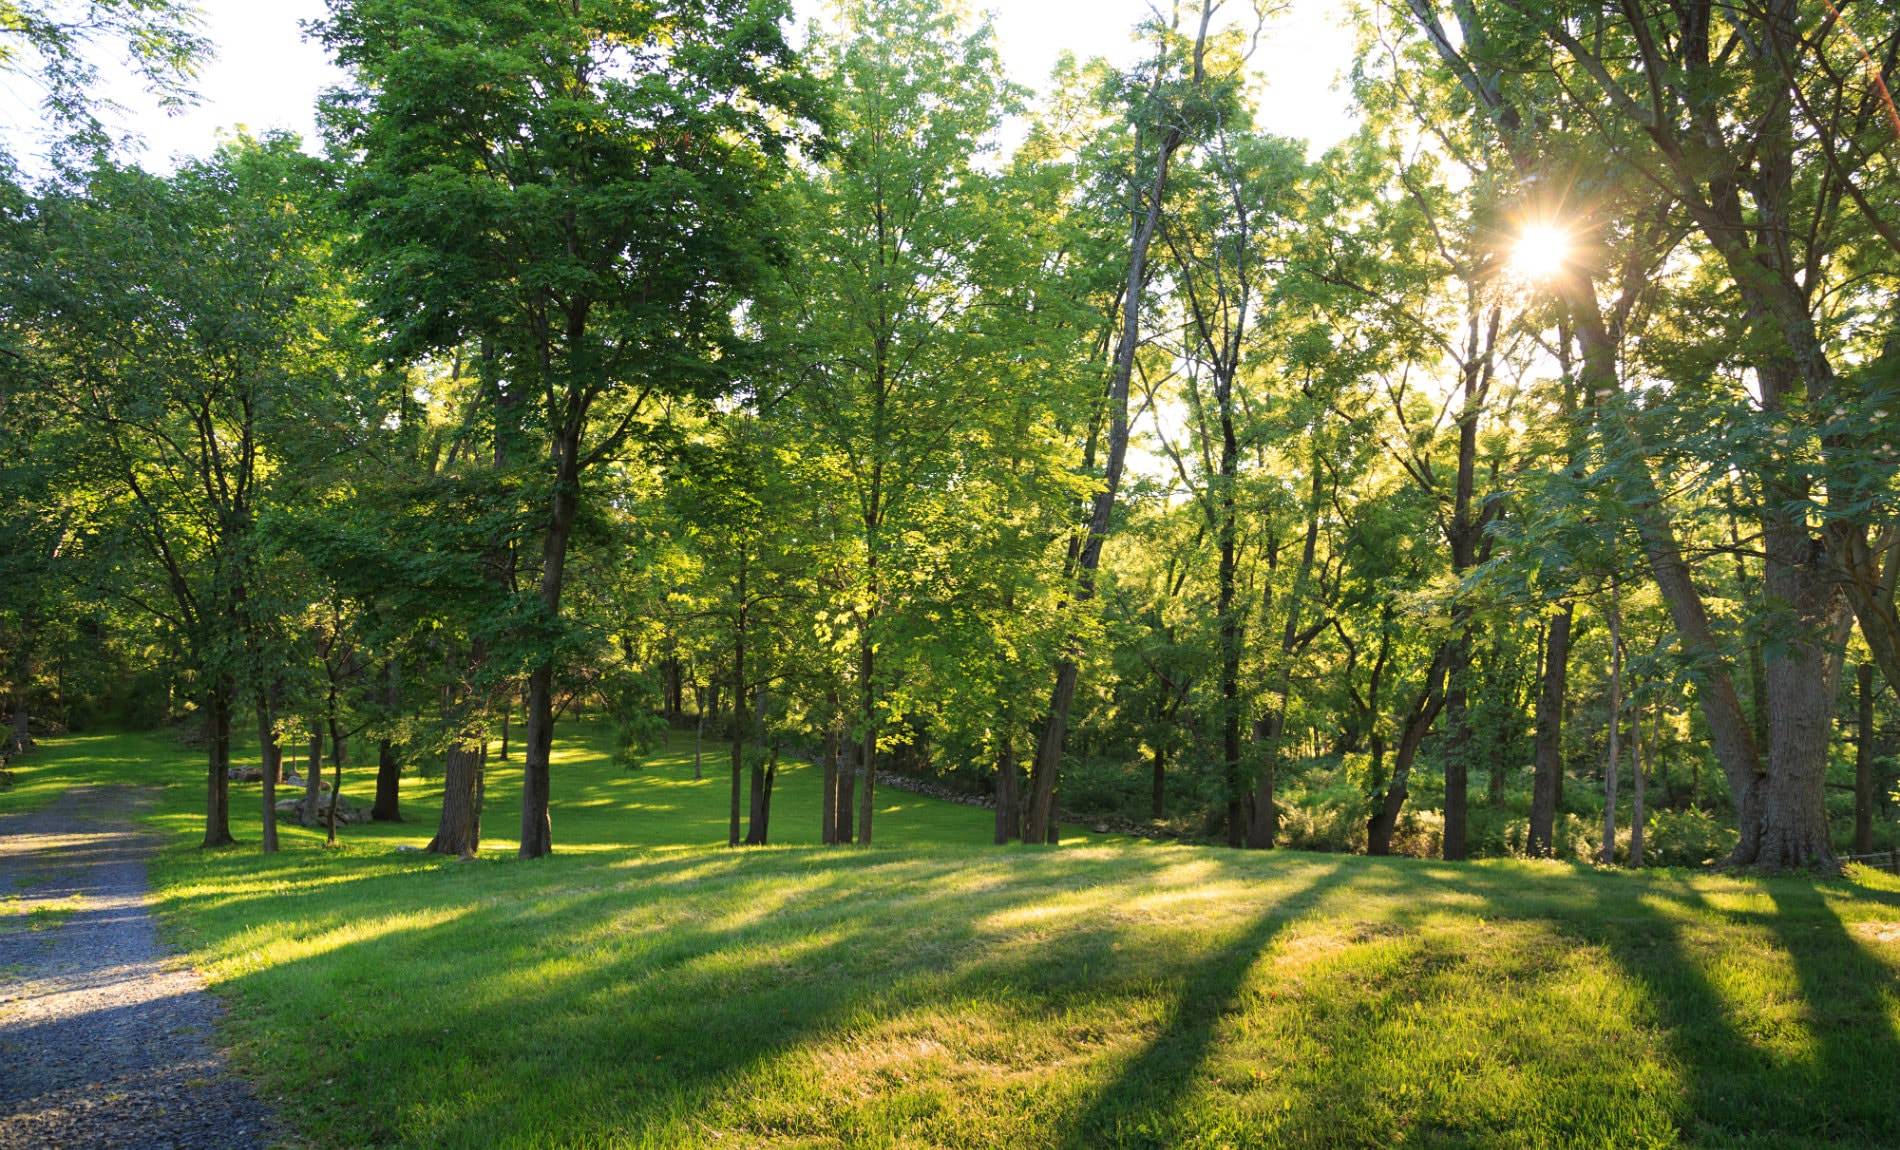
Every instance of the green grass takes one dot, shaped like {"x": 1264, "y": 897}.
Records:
{"x": 648, "y": 988}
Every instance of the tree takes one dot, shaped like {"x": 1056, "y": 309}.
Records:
{"x": 183, "y": 322}
{"x": 579, "y": 188}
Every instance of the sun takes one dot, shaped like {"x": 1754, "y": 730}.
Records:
{"x": 1542, "y": 251}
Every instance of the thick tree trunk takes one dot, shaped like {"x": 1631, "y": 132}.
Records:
{"x": 459, "y": 833}
{"x": 218, "y": 780}
{"x": 271, "y": 757}
{"x": 1547, "y": 783}
{"x": 1864, "y": 763}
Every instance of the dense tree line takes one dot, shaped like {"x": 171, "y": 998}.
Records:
{"x": 1516, "y": 476}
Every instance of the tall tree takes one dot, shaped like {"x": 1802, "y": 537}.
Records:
{"x": 579, "y": 185}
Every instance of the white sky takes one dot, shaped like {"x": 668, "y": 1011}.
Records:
{"x": 267, "y": 75}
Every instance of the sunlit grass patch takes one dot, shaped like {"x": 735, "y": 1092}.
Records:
{"x": 647, "y": 987}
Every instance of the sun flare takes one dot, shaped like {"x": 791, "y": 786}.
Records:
{"x": 1542, "y": 251}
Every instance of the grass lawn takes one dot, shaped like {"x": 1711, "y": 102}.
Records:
{"x": 646, "y": 987}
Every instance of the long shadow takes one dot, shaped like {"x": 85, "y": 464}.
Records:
{"x": 1849, "y": 995}
{"x": 1135, "y": 1107}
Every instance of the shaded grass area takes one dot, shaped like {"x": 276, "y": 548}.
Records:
{"x": 646, "y": 989}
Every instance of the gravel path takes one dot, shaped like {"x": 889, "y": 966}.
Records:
{"x": 103, "y": 1043}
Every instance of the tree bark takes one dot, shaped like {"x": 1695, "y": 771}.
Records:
{"x": 459, "y": 833}
{"x": 1157, "y": 799}
{"x": 1008, "y": 811}
{"x": 1547, "y": 784}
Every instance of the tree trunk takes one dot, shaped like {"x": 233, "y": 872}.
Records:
{"x": 312, "y": 807}
{"x": 507, "y": 724}
{"x": 459, "y": 833}
{"x": 1008, "y": 811}
{"x": 1418, "y": 723}
{"x": 20, "y": 736}
{"x": 336, "y": 795}
{"x": 1606, "y": 854}
{"x": 738, "y": 711}
{"x": 271, "y": 755}
{"x": 218, "y": 780}
{"x": 1157, "y": 799}
{"x": 537, "y": 827}
{"x": 1638, "y": 785}
{"x": 1864, "y": 764}
{"x": 388, "y": 805}
{"x": 828, "y": 803}
{"x": 1039, "y": 825}
{"x": 1547, "y": 783}
{"x": 867, "y": 755}
{"x": 847, "y": 787}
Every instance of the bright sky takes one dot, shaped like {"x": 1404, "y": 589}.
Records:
{"x": 267, "y": 75}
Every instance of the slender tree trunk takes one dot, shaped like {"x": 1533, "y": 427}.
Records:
{"x": 1008, "y": 812}
{"x": 738, "y": 710}
{"x": 336, "y": 796}
{"x": 761, "y": 781}
{"x": 537, "y": 827}
{"x": 1638, "y": 786}
{"x": 699, "y": 732}
{"x": 1418, "y": 723}
{"x": 828, "y": 804}
{"x": 1158, "y": 788}
{"x": 218, "y": 780}
{"x": 312, "y": 806}
{"x": 867, "y": 755}
{"x": 1607, "y": 853}
{"x": 20, "y": 737}
{"x": 1039, "y": 825}
{"x": 1864, "y": 763}
{"x": 1547, "y": 784}
{"x": 271, "y": 756}
{"x": 847, "y": 787}
{"x": 388, "y": 805}
{"x": 507, "y": 723}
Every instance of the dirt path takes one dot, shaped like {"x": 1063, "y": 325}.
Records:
{"x": 102, "y": 1041}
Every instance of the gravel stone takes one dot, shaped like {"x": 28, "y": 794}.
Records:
{"x": 105, "y": 1039}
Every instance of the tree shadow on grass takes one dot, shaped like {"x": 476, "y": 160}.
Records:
{"x": 1849, "y": 995}
{"x": 1137, "y": 1107}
